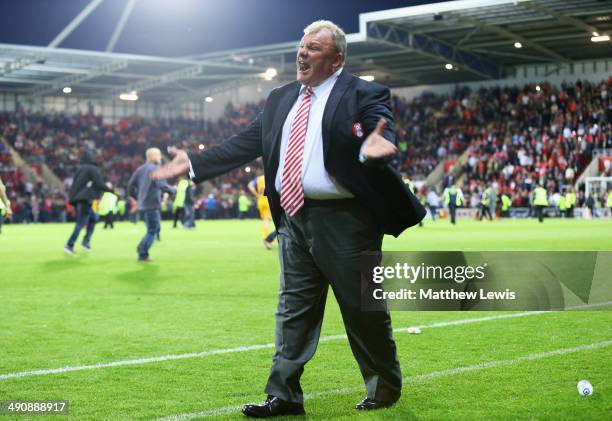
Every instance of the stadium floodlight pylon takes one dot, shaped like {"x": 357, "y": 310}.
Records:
{"x": 127, "y": 10}
{"x": 74, "y": 23}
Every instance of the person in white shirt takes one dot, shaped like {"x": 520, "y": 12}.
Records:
{"x": 433, "y": 203}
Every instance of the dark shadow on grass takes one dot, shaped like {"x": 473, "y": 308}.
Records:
{"x": 145, "y": 276}
{"x": 66, "y": 263}
{"x": 292, "y": 417}
{"x": 314, "y": 408}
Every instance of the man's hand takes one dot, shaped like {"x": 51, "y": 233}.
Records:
{"x": 9, "y": 211}
{"x": 177, "y": 167}
{"x": 376, "y": 146}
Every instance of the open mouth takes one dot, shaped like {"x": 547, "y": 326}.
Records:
{"x": 303, "y": 66}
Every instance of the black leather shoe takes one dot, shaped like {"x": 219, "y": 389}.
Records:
{"x": 273, "y": 407}
{"x": 368, "y": 404}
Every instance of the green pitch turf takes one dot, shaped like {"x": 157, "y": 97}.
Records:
{"x": 215, "y": 288}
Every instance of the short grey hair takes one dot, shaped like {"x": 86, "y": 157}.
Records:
{"x": 338, "y": 35}
{"x": 152, "y": 153}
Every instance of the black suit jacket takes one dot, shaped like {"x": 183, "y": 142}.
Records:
{"x": 376, "y": 185}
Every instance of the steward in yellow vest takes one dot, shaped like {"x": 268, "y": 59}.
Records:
{"x": 506, "y": 203}
{"x": 107, "y": 208}
{"x": 453, "y": 198}
{"x": 570, "y": 203}
{"x": 540, "y": 201}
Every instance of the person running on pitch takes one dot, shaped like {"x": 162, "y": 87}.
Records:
{"x": 86, "y": 187}
{"x": 257, "y": 188}
{"x": 148, "y": 193}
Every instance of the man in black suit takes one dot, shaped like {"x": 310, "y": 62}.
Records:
{"x": 324, "y": 140}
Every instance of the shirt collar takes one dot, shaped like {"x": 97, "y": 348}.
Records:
{"x": 325, "y": 85}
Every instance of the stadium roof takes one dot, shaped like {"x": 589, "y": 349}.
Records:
{"x": 448, "y": 42}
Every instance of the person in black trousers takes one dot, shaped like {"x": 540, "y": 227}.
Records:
{"x": 326, "y": 141}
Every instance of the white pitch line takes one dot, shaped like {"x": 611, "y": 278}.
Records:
{"x": 172, "y": 357}
{"x": 411, "y": 379}
{"x": 138, "y": 361}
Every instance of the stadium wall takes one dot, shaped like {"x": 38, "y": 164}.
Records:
{"x": 110, "y": 110}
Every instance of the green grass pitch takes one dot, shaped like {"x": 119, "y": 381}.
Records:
{"x": 215, "y": 288}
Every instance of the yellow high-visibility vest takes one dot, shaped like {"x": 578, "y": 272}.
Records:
{"x": 181, "y": 194}
{"x": 107, "y": 203}
{"x": 562, "y": 203}
{"x": 506, "y": 203}
{"x": 454, "y": 190}
{"x": 541, "y": 197}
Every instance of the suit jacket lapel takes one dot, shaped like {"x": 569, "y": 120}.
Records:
{"x": 335, "y": 96}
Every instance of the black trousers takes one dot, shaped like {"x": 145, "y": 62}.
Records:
{"x": 178, "y": 216}
{"x": 485, "y": 209}
{"x": 319, "y": 247}
{"x": 540, "y": 212}
{"x": 452, "y": 210}
{"x": 109, "y": 220}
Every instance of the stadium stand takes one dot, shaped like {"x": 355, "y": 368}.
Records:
{"x": 537, "y": 133}
{"x": 514, "y": 137}
{"x": 58, "y": 140}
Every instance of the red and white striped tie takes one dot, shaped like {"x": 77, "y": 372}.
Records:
{"x": 292, "y": 191}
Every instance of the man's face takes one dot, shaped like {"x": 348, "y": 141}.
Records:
{"x": 317, "y": 58}
{"x": 158, "y": 157}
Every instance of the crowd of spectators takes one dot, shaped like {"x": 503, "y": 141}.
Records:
{"x": 432, "y": 128}
{"x": 32, "y": 201}
{"x": 515, "y": 136}
{"x": 543, "y": 134}
{"x": 58, "y": 140}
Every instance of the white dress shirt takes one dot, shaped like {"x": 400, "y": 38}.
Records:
{"x": 318, "y": 184}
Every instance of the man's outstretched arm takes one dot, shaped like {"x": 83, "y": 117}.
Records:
{"x": 375, "y": 113}
{"x": 231, "y": 153}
